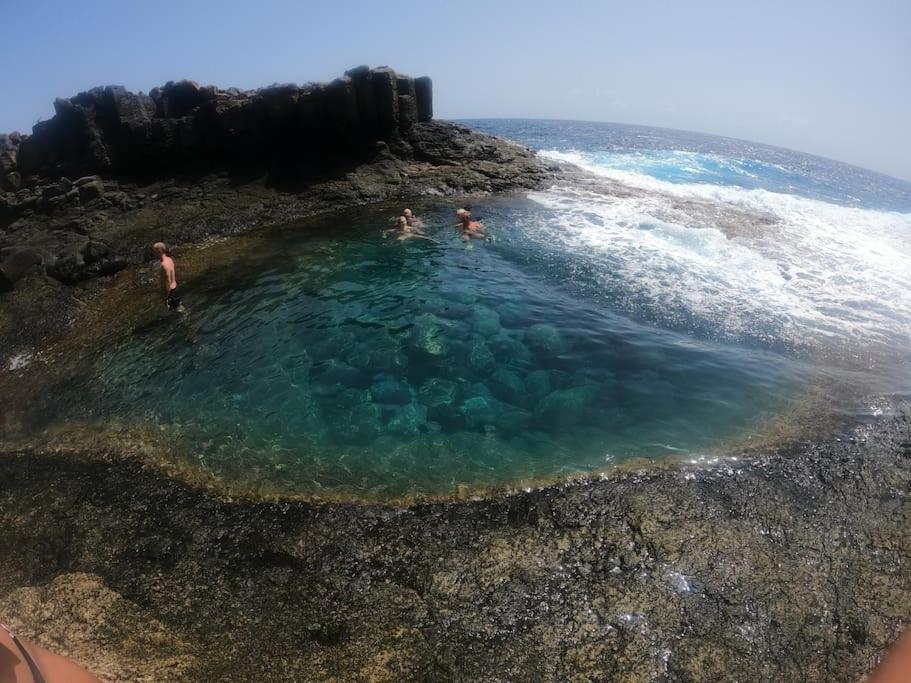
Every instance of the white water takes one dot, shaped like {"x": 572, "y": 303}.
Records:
{"x": 745, "y": 264}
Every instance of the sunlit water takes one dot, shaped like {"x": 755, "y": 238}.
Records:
{"x": 672, "y": 301}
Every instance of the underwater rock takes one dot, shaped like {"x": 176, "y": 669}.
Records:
{"x": 512, "y": 420}
{"x": 507, "y": 386}
{"x": 378, "y": 356}
{"x": 362, "y": 426}
{"x": 391, "y": 390}
{"x": 480, "y": 359}
{"x": 545, "y": 339}
{"x": 331, "y": 346}
{"x": 428, "y": 335}
{"x": 486, "y": 321}
{"x": 454, "y": 310}
{"x": 438, "y": 393}
{"x": 335, "y": 371}
{"x": 565, "y": 407}
{"x": 410, "y": 419}
{"x": 510, "y": 350}
{"x": 537, "y": 384}
{"x": 478, "y": 411}
{"x": 352, "y": 416}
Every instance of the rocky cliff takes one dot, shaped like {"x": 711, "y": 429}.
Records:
{"x": 111, "y": 171}
{"x": 111, "y": 131}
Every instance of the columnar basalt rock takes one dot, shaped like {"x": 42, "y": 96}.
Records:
{"x": 423, "y": 88}
{"x": 113, "y": 132}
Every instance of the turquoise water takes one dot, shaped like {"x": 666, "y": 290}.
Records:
{"x": 330, "y": 360}
{"x": 676, "y": 301}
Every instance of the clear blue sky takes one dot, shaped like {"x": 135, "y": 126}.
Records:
{"x": 828, "y": 77}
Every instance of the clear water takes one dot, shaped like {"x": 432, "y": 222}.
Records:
{"x": 673, "y": 301}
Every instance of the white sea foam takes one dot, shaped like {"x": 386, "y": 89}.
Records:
{"x": 747, "y": 262}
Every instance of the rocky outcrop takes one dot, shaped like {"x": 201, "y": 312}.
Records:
{"x": 114, "y": 132}
{"x": 112, "y": 170}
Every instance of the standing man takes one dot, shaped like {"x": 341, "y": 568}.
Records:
{"x": 168, "y": 277}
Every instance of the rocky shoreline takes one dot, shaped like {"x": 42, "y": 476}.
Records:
{"x": 789, "y": 563}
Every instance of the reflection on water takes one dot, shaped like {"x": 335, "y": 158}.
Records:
{"x": 324, "y": 359}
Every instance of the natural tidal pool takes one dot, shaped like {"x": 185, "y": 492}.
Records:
{"x": 683, "y": 298}
{"x": 324, "y": 359}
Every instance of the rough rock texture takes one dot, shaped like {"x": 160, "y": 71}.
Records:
{"x": 81, "y": 618}
{"x": 88, "y": 192}
{"x": 110, "y": 130}
{"x": 785, "y": 567}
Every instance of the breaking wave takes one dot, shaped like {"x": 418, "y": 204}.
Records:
{"x": 782, "y": 270}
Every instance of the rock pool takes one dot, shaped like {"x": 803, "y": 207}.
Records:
{"x": 322, "y": 359}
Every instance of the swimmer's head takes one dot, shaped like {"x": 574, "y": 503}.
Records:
{"x": 407, "y": 213}
{"x": 159, "y": 248}
{"x": 402, "y": 222}
{"x": 463, "y": 215}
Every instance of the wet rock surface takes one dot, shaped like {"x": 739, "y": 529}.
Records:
{"x": 786, "y": 566}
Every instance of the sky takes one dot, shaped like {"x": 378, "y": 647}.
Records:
{"x": 831, "y": 78}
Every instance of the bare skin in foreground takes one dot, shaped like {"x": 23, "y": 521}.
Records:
{"x": 896, "y": 667}
{"x": 45, "y": 666}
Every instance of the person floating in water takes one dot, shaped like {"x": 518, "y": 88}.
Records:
{"x": 413, "y": 221}
{"x": 470, "y": 229}
{"x": 168, "y": 278}
{"x": 403, "y": 231}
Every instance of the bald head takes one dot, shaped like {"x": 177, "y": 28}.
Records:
{"x": 159, "y": 248}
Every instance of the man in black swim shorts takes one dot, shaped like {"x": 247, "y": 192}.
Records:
{"x": 168, "y": 277}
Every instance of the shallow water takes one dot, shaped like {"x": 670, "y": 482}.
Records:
{"x": 658, "y": 308}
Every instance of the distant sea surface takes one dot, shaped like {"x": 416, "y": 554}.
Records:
{"x": 682, "y": 157}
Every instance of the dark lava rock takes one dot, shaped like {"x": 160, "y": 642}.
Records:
{"x": 16, "y": 263}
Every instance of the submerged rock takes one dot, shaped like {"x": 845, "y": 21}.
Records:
{"x": 337, "y": 372}
{"x": 537, "y": 384}
{"x": 510, "y": 350}
{"x": 565, "y": 407}
{"x": 478, "y": 411}
{"x": 544, "y": 339}
{"x": 480, "y": 359}
{"x": 428, "y": 336}
{"x": 437, "y": 393}
{"x": 408, "y": 420}
{"x": 353, "y": 417}
{"x": 332, "y": 346}
{"x": 391, "y": 390}
{"x": 486, "y": 321}
{"x": 513, "y": 420}
{"x": 507, "y": 386}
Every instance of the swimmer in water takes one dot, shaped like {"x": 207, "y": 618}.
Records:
{"x": 413, "y": 221}
{"x": 404, "y": 231}
{"x": 168, "y": 276}
{"x": 470, "y": 229}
